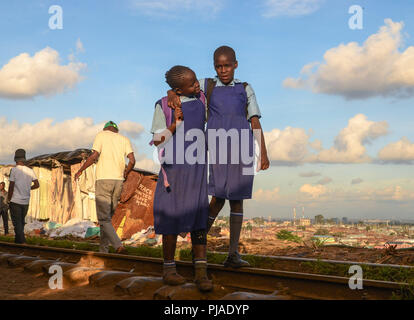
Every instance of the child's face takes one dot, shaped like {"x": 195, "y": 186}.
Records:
{"x": 225, "y": 67}
{"x": 190, "y": 86}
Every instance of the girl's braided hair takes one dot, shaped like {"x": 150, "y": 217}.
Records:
{"x": 175, "y": 76}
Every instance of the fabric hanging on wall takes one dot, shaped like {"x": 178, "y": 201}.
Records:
{"x": 87, "y": 188}
{"x": 68, "y": 199}
{"x": 45, "y": 176}
{"x": 77, "y": 211}
{"x": 34, "y": 204}
{"x": 56, "y": 194}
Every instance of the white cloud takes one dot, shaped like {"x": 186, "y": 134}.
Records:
{"x": 276, "y": 8}
{"x": 291, "y": 146}
{"x": 356, "y": 181}
{"x": 398, "y": 152}
{"x": 309, "y": 174}
{"x": 287, "y": 146}
{"x": 130, "y": 129}
{"x": 147, "y": 164}
{"x": 324, "y": 181}
{"x": 48, "y": 136}
{"x": 349, "y": 144}
{"x": 377, "y": 68}
{"x": 25, "y": 77}
{"x": 266, "y": 195}
{"x": 313, "y": 191}
{"x": 79, "y": 46}
{"x": 171, "y": 7}
{"x": 391, "y": 193}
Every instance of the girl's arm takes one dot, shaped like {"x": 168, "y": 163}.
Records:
{"x": 165, "y": 135}
{"x": 258, "y": 135}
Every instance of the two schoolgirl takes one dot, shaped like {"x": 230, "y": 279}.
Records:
{"x": 181, "y": 204}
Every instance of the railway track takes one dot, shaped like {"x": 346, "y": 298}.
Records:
{"x": 296, "y": 285}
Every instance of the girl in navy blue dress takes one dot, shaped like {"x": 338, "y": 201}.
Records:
{"x": 232, "y": 107}
{"x": 181, "y": 198}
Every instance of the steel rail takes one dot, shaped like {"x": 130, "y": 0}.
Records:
{"x": 347, "y": 262}
{"x": 297, "y": 284}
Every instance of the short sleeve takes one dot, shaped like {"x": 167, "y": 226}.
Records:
{"x": 202, "y": 83}
{"x": 33, "y": 175}
{"x": 97, "y": 144}
{"x": 252, "y": 106}
{"x": 128, "y": 147}
{"x": 159, "y": 122}
{"x": 12, "y": 177}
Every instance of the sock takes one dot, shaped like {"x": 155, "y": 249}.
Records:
{"x": 236, "y": 220}
{"x": 200, "y": 266}
{"x": 210, "y": 222}
{"x": 169, "y": 267}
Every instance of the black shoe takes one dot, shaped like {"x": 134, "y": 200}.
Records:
{"x": 234, "y": 261}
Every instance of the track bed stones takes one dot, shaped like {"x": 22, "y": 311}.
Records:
{"x": 5, "y": 256}
{"x": 79, "y": 275}
{"x": 137, "y": 285}
{"x": 20, "y": 261}
{"x": 36, "y": 266}
{"x": 240, "y": 295}
{"x": 64, "y": 265}
{"x": 105, "y": 278}
{"x": 189, "y": 291}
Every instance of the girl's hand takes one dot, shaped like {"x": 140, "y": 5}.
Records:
{"x": 173, "y": 100}
{"x": 264, "y": 161}
{"x": 178, "y": 114}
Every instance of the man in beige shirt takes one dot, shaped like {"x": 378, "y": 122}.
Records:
{"x": 110, "y": 149}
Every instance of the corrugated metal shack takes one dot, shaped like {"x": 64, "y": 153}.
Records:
{"x": 60, "y": 198}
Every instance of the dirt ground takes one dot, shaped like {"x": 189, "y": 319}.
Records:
{"x": 15, "y": 284}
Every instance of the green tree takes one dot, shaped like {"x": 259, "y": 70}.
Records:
{"x": 319, "y": 219}
{"x": 249, "y": 227}
{"x": 288, "y": 235}
{"x": 258, "y": 220}
{"x": 321, "y": 232}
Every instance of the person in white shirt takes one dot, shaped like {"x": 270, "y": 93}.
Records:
{"x": 4, "y": 207}
{"x": 110, "y": 149}
{"x": 22, "y": 181}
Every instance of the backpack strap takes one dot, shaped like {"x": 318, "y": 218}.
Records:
{"x": 168, "y": 119}
{"x": 209, "y": 87}
{"x": 167, "y": 111}
{"x": 202, "y": 97}
{"x": 245, "y": 84}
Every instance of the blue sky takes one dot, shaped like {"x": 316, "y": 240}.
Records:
{"x": 121, "y": 50}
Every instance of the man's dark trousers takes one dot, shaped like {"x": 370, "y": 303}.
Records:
{"x": 18, "y": 214}
{"x": 5, "y": 216}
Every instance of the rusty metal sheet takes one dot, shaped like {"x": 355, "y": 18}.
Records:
{"x": 135, "y": 210}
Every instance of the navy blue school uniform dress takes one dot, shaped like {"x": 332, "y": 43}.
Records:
{"x": 183, "y": 207}
{"x": 233, "y": 179}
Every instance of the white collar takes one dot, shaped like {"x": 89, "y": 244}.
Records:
{"x": 221, "y": 84}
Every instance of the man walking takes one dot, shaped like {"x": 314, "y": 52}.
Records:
{"x": 110, "y": 149}
{"x": 21, "y": 179}
{"x": 4, "y": 207}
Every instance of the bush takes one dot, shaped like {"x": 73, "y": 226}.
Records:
{"x": 321, "y": 232}
{"x": 287, "y": 235}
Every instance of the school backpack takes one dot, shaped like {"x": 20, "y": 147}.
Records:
{"x": 169, "y": 120}
{"x": 210, "y": 83}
